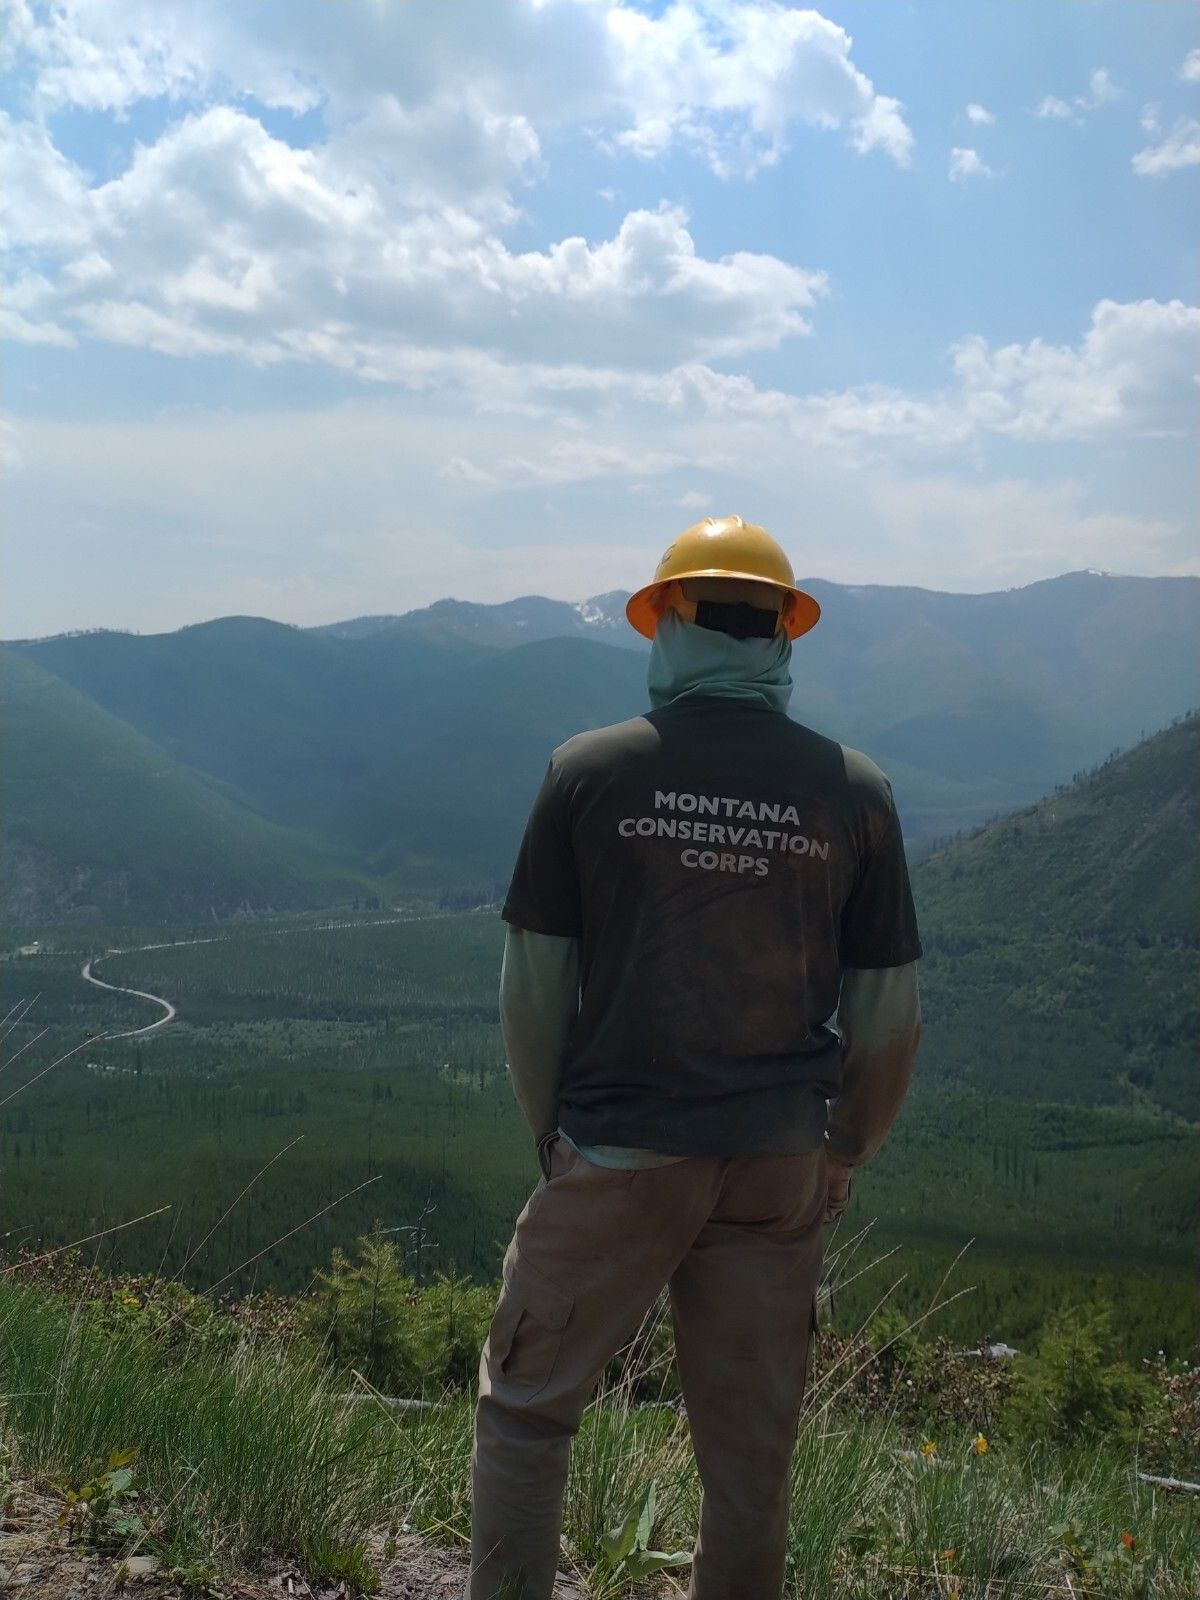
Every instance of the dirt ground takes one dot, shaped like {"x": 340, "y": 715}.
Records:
{"x": 39, "y": 1561}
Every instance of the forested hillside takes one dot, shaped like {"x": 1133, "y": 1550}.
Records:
{"x": 100, "y": 821}
{"x": 1061, "y": 942}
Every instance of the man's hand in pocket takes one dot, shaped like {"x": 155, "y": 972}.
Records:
{"x": 837, "y": 1195}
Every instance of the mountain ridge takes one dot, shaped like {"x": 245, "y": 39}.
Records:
{"x": 413, "y": 751}
{"x": 601, "y": 610}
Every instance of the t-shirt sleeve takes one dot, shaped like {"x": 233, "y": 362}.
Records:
{"x": 544, "y": 893}
{"x": 879, "y": 921}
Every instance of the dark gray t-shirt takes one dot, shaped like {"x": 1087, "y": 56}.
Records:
{"x": 720, "y": 864}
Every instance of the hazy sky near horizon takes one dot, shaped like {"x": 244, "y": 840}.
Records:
{"x": 319, "y": 309}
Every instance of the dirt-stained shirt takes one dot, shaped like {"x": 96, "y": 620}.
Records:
{"x": 720, "y": 864}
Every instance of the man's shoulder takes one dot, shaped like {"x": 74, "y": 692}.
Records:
{"x": 598, "y": 748}
{"x": 864, "y": 779}
{"x": 867, "y": 781}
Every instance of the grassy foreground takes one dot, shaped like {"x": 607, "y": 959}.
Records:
{"x": 216, "y": 1454}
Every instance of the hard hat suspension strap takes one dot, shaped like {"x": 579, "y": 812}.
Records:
{"x": 742, "y": 621}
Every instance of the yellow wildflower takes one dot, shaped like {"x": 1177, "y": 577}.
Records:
{"x": 979, "y": 1444}
{"x": 929, "y": 1449}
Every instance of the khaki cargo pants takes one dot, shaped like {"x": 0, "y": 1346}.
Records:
{"x": 738, "y": 1240}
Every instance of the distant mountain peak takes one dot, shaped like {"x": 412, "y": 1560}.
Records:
{"x": 527, "y": 617}
{"x": 603, "y": 610}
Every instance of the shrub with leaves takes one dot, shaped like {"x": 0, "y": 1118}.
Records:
{"x": 103, "y": 1508}
{"x": 1117, "y": 1571}
{"x": 913, "y": 1380}
{"x": 1170, "y": 1440}
{"x": 124, "y": 1302}
{"x": 900, "y": 1353}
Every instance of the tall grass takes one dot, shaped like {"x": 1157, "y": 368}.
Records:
{"x": 241, "y": 1451}
{"x": 254, "y": 1450}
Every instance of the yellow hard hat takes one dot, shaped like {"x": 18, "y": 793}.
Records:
{"x": 724, "y": 547}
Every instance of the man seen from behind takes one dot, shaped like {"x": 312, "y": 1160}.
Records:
{"x": 709, "y": 1005}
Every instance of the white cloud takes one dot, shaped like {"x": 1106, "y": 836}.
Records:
{"x": 1052, "y": 106}
{"x": 1181, "y": 148}
{"x": 1150, "y": 121}
{"x": 46, "y": 198}
{"x": 966, "y": 164}
{"x": 564, "y": 461}
{"x": 1135, "y": 370}
{"x": 980, "y": 115}
{"x": 1102, "y": 91}
{"x": 19, "y": 328}
{"x": 876, "y": 417}
{"x": 105, "y": 56}
{"x": 1134, "y": 373}
{"x": 220, "y": 238}
{"x": 380, "y": 248}
{"x": 728, "y": 81}
{"x": 1190, "y": 70}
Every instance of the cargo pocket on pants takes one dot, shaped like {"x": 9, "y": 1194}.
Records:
{"x": 527, "y": 1331}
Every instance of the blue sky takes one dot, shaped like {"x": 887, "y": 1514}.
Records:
{"x": 314, "y": 310}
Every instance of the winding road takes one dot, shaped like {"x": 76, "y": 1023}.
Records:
{"x": 168, "y": 1008}
{"x": 141, "y": 994}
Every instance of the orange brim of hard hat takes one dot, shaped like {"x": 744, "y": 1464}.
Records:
{"x": 643, "y": 609}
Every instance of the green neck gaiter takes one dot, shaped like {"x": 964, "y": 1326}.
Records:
{"x": 689, "y": 660}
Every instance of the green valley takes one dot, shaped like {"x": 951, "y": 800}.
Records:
{"x": 1053, "y": 1121}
